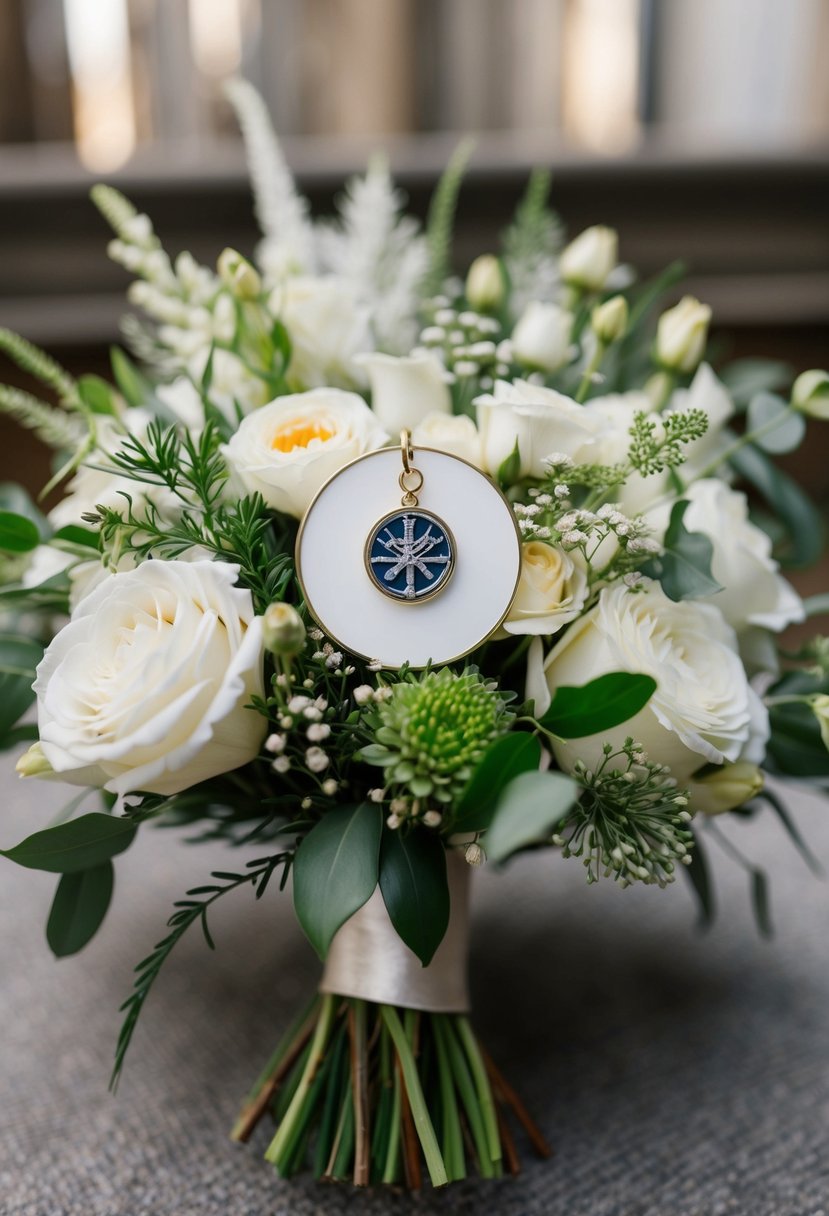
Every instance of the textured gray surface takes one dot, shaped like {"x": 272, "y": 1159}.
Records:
{"x": 677, "y": 1075}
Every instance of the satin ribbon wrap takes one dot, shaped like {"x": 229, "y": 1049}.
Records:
{"x": 367, "y": 959}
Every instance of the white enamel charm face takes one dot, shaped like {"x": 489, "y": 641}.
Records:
{"x": 409, "y": 584}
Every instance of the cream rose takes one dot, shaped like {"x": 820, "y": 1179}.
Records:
{"x": 287, "y": 450}
{"x": 452, "y": 433}
{"x": 551, "y": 591}
{"x": 753, "y": 591}
{"x": 588, "y": 260}
{"x": 681, "y": 334}
{"x": 327, "y": 325}
{"x": 543, "y": 336}
{"x": 148, "y": 686}
{"x": 405, "y": 389}
{"x": 703, "y": 711}
{"x": 539, "y": 420}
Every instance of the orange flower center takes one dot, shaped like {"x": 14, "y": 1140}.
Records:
{"x": 299, "y": 435}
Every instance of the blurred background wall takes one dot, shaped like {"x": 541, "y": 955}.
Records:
{"x": 699, "y": 128}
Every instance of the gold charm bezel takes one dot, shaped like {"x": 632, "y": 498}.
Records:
{"x": 425, "y": 596}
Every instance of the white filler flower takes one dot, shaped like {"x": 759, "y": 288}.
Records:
{"x": 147, "y": 687}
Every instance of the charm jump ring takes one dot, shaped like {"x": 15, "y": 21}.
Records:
{"x": 407, "y": 452}
{"x": 410, "y": 481}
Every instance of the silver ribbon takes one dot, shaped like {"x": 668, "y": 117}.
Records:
{"x": 367, "y": 959}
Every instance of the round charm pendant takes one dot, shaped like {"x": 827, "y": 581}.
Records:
{"x": 425, "y": 581}
{"x": 410, "y": 555}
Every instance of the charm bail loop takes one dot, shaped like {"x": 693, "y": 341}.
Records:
{"x": 411, "y": 479}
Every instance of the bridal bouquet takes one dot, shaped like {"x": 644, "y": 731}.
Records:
{"x": 172, "y": 618}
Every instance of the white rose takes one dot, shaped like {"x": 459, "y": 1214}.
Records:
{"x": 542, "y": 338}
{"x": 452, "y": 433}
{"x": 702, "y": 712}
{"x": 183, "y": 400}
{"x": 588, "y": 260}
{"x": 234, "y": 388}
{"x": 727, "y": 787}
{"x": 681, "y": 334}
{"x": 810, "y": 393}
{"x": 287, "y": 450}
{"x": 327, "y": 326}
{"x": 540, "y": 420}
{"x": 551, "y": 591}
{"x": 147, "y": 687}
{"x": 405, "y": 389}
{"x": 753, "y": 592}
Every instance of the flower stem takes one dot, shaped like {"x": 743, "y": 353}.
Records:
{"x": 586, "y": 381}
{"x": 318, "y": 1044}
{"x": 420, "y": 1113}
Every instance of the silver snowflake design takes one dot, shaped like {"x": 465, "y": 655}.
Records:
{"x": 411, "y": 555}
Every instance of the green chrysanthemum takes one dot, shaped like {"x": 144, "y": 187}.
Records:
{"x": 432, "y": 731}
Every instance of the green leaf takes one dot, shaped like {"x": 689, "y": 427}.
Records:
{"x": 414, "y": 887}
{"x": 817, "y": 605}
{"x": 527, "y": 811}
{"x": 133, "y": 384}
{"x": 761, "y": 903}
{"x": 745, "y": 378}
{"x": 505, "y": 759}
{"x": 17, "y": 533}
{"x": 795, "y": 744}
{"x": 699, "y": 875}
{"x": 800, "y": 517}
{"x": 73, "y": 534}
{"x": 19, "y": 656}
{"x": 790, "y": 426}
{"x": 510, "y": 468}
{"x": 15, "y": 499}
{"x": 97, "y": 395}
{"x": 598, "y": 706}
{"x": 785, "y": 817}
{"x": 335, "y": 870}
{"x": 80, "y": 905}
{"x": 684, "y": 569}
{"x": 77, "y": 845}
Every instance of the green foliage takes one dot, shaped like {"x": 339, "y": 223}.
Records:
{"x": 529, "y": 809}
{"x": 116, "y": 209}
{"x": 192, "y": 910}
{"x": 598, "y": 706}
{"x": 441, "y": 218}
{"x": 414, "y": 887}
{"x": 532, "y": 241}
{"x": 335, "y": 870}
{"x": 504, "y": 759}
{"x": 135, "y": 388}
{"x": 782, "y": 427}
{"x": 19, "y": 656}
{"x": 699, "y": 875}
{"x": 80, "y": 905}
{"x": 657, "y": 441}
{"x": 52, "y": 426}
{"x": 97, "y": 395}
{"x": 30, "y": 358}
{"x": 510, "y": 468}
{"x": 17, "y": 533}
{"x": 799, "y": 516}
{"x": 684, "y": 566}
{"x": 77, "y": 845}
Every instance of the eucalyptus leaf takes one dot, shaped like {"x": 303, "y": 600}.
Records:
{"x": 15, "y": 499}
{"x": 96, "y": 394}
{"x": 504, "y": 759}
{"x": 684, "y": 568}
{"x": 527, "y": 812}
{"x": 802, "y": 520}
{"x": 414, "y": 887}
{"x": 18, "y": 534}
{"x": 74, "y": 534}
{"x": 77, "y": 845}
{"x": 335, "y": 870}
{"x": 795, "y": 744}
{"x": 80, "y": 905}
{"x": 19, "y": 656}
{"x": 745, "y": 378}
{"x": 133, "y": 384}
{"x": 598, "y": 706}
{"x": 789, "y": 430}
{"x": 699, "y": 875}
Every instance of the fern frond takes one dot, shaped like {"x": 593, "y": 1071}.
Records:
{"x": 441, "y": 219}
{"x": 51, "y": 426}
{"x": 30, "y": 358}
{"x": 531, "y": 245}
{"x": 281, "y": 210}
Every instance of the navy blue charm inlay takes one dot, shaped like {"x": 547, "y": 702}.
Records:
{"x": 410, "y": 555}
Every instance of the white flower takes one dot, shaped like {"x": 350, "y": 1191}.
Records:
{"x": 588, "y": 260}
{"x": 542, "y": 338}
{"x": 610, "y": 320}
{"x": 184, "y": 402}
{"x": 234, "y": 388}
{"x": 810, "y": 393}
{"x": 363, "y": 694}
{"x": 540, "y": 420}
{"x": 405, "y": 389}
{"x": 753, "y": 592}
{"x": 318, "y": 732}
{"x": 316, "y": 759}
{"x": 551, "y": 591}
{"x": 485, "y": 285}
{"x": 452, "y": 433}
{"x": 148, "y": 685}
{"x": 327, "y": 325}
{"x": 681, "y": 334}
{"x": 726, "y": 787}
{"x": 703, "y": 710}
{"x": 288, "y": 449}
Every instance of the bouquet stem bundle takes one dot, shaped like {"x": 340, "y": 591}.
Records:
{"x": 372, "y": 1094}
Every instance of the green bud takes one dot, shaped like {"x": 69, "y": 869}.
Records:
{"x": 283, "y": 630}
{"x": 485, "y": 285}
{"x": 588, "y": 260}
{"x": 609, "y": 321}
{"x": 681, "y": 335}
{"x": 238, "y": 275}
{"x": 33, "y": 763}
{"x": 810, "y": 393}
{"x": 820, "y": 708}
